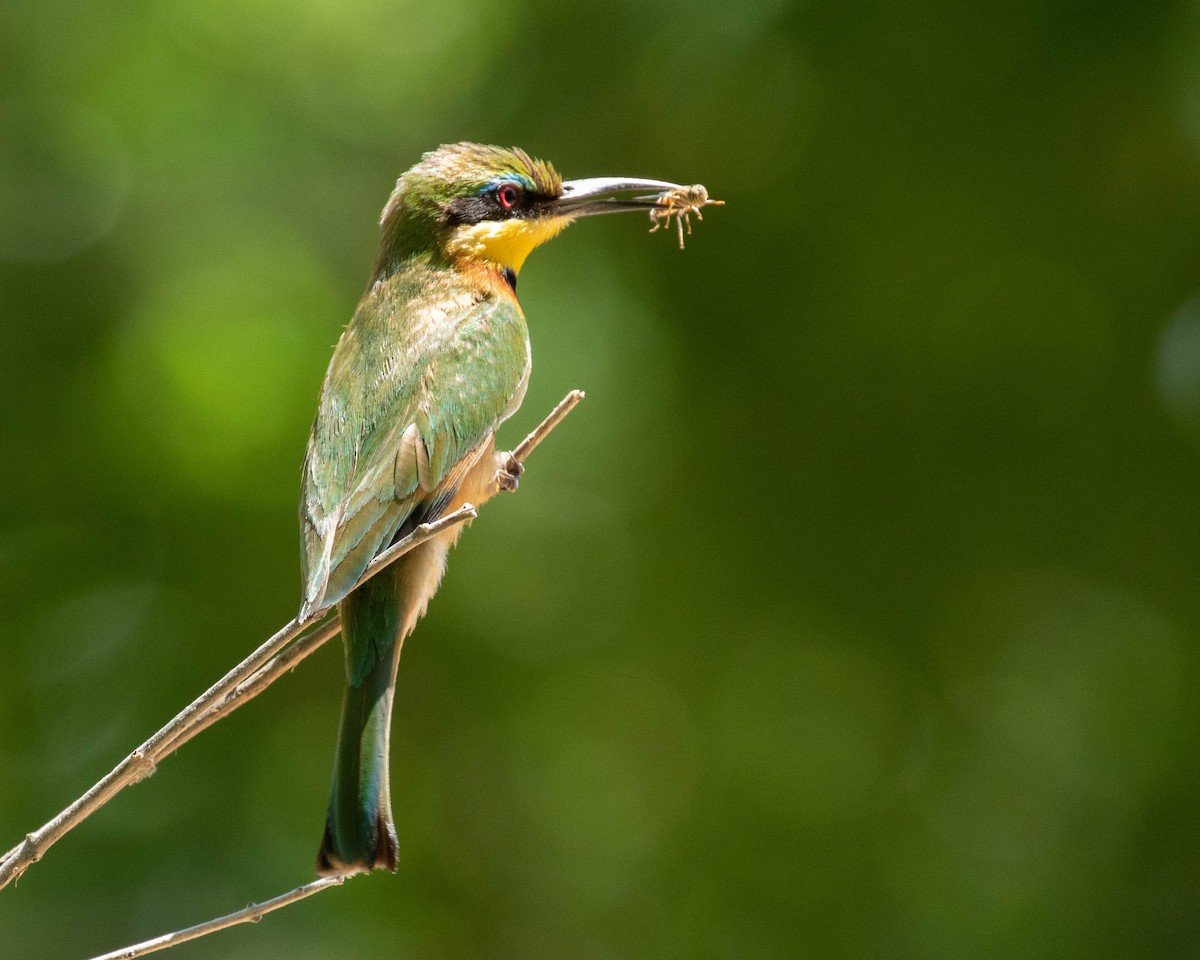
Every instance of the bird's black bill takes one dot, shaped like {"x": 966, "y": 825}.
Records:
{"x": 596, "y": 195}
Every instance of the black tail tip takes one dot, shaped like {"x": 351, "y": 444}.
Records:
{"x": 380, "y": 853}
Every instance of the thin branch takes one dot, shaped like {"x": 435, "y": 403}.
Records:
{"x": 280, "y": 653}
{"x": 542, "y": 430}
{"x": 249, "y": 914}
{"x": 141, "y": 763}
{"x": 262, "y": 678}
{"x": 309, "y": 643}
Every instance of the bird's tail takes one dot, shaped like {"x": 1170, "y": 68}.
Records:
{"x": 359, "y": 832}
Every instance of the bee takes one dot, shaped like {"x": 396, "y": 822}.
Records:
{"x": 681, "y": 204}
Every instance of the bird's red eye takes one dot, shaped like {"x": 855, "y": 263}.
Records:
{"x": 508, "y": 195}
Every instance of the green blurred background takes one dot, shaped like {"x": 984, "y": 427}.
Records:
{"x": 854, "y": 614}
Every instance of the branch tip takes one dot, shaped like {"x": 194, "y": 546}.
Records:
{"x": 539, "y": 433}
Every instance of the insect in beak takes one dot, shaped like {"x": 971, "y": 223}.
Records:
{"x": 680, "y": 203}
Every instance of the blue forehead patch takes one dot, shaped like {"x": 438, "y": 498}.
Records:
{"x": 512, "y": 177}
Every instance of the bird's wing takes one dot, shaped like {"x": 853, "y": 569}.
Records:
{"x": 434, "y": 396}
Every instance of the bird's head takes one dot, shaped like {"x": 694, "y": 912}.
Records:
{"x": 470, "y": 201}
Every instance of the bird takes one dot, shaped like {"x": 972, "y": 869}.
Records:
{"x": 435, "y": 357}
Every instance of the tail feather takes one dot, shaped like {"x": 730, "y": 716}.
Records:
{"x": 359, "y": 832}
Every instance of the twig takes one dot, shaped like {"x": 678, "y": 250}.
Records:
{"x": 542, "y": 430}
{"x": 249, "y": 914}
{"x": 262, "y": 678}
{"x": 141, "y": 763}
{"x": 241, "y": 684}
{"x": 310, "y": 643}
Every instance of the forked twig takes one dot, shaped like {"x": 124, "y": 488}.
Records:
{"x": 251, "y": 913}
{"x": 279, "y": 654}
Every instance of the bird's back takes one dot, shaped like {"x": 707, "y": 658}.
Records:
{"x": 432, "y": 361}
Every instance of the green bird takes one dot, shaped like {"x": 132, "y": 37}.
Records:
{"x": 435, "y": 358}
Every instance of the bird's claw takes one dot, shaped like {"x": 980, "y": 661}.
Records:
{"x": 508, "y": 472}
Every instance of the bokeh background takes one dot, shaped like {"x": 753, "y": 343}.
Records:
{"x": 854, "y": 614}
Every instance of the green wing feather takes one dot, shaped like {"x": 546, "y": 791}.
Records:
{"x": 430, "y": 367}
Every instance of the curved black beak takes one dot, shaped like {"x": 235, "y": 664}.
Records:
{"x": 594, "y": 195}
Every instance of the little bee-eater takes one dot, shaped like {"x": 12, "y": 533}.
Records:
{"x": 435, "y": 358}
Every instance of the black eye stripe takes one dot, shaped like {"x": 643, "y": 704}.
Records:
{"x": 462, "y": 210}
{"x": 488, "y": 206}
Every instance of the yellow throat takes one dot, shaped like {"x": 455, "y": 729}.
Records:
{"x": 506, "y": 243}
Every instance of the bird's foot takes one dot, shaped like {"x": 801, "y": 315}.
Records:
{"x": 508, "y": 472}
